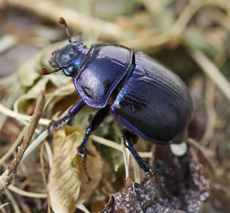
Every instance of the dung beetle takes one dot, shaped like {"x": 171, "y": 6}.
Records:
{"x": 147, "y": 99}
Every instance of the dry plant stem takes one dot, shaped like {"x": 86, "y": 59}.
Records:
{"x": 126, "y": 157}
{"x": 116, "y": 146}
{"x": 33, "y": 124}
{"x": 83, "y": 208}
{"x": 212, "y": 71}
{"x": 27, "y": 194}
{"x": 13, "y": 202}
{"x": 188, "y": 12}
{"x": 49, "y": 153}
{"x": 2, "y": 207}
{"x": 13, "y": 146}
{"x": 44, "y": 177}
{"x": 21, "y": 117}
{"x": 209, "y": 104}
{"x": 136, "y": 170}
{"x": 159, "y": 40}
{"x": 75, "y": 20}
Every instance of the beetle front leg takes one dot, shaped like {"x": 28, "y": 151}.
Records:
{"x": 97, "y": 120}
{"x": 54, "y": 125}
{"x": 129, "y": 139}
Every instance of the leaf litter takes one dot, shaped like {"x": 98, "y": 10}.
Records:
{"x": 180, "y": 186}
{"x": 68, "y": 184}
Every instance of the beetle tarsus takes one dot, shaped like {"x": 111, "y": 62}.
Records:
{"x": 82, "y": 151}
{"x": 55, "y": 125}
{"x": 85, "y": 168}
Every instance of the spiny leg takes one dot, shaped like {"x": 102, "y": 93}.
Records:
{"x": 97, "y": 120}
{"x": 54, "y": 125}
{"x": 129, "y": 139}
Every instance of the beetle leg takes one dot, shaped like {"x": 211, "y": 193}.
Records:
{"x": 129, "y": 139}
{"x": 54, "y": 125}
{"x": 97, "y": 120}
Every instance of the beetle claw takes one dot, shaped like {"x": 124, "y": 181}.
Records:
{"x": 152, "y": 172}
{"x": 83, "y": 153}
{"x": 55, "y": 125}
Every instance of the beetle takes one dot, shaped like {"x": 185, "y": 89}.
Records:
{"x": 147, "y": 99}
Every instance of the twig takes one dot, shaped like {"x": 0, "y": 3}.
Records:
{"x": 12, "y": 168}
{"x": 210, "y": 109}
{"x": 13, "y": 146}
{"x": 20, "y": 116}
{"x": 27, "y": 194}
{"x": 44, "y": 177}
{"x": 13, "y": 202}
{"x": 2, "y": 207}
{"x": 212, "y": 71}
{"x": 116, "y": 146}
{"x": 174, "y": 32}
{"x": 75, "y": 19}
{"x": 126, "y": 157}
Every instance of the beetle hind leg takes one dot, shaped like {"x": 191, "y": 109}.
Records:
{"x": 129, "y": 139}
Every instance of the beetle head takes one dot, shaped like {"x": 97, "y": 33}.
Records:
{"x": 69, "y": 58}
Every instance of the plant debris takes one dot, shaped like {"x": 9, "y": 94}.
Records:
{"x": 189, "y": 37}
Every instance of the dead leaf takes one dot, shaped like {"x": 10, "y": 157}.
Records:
{"x": 68, "y": 184}
{"x": 181, "y": 185}
{"x": 136, "y": 198}
{"x": 32, "y": 81}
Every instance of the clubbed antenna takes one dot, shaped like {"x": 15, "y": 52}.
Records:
{"x": 46, "y": 72}
{"x": 62, "y": 21}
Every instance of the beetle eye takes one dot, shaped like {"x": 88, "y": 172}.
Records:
{"x": 71, "y": 69}
{"x": 68, "y": 71}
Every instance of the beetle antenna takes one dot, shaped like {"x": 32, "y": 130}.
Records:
{"x": 62, "y": 21}
{"x": 46, "y": 72}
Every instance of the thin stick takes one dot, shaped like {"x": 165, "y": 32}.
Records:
{"x": 27, "y": 194}
{"x": 13, "y": 202}
{"x": 44, "y": 177}
{"x": 19, "y": 116}
{"x": 212, "y": 71}
{"x": 116, "y": 146}
{"x": 12, "y": 168}
{"x": 13, "y": 146}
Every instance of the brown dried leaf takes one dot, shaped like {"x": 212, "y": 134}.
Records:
{"x": 135, "y": 198}
{"x": 68, "y": 184}
{"x": 185, "y": 178}
{"x": 181, "y": 186}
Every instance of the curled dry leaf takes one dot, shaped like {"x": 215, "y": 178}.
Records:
{"x": 68, "y": 184}
{"x": 136, "y": 198}
{"x": 32, "y": 81}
